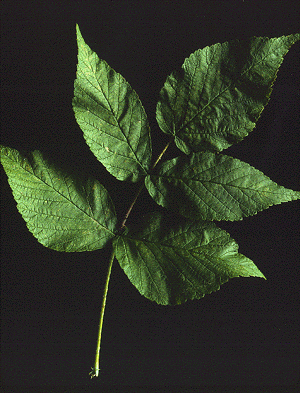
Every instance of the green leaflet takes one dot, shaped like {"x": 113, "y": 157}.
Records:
{"x": 220, "y": 92}
{"x": 63, "y": 212}
{"x": 170, "y": 260}
{"x": 213, "y": 102}
{"x": 212, "y": 186}
{"x": 111, "y": 116}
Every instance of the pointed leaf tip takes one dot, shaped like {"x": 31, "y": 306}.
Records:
{"x": 170, "y": 261}
{"x": 111, "y": 116}
{"x": 211, "y": 186}
{"x": 218, "y": 95}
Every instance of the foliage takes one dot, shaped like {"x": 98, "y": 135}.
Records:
{"x": 177, "y": 253}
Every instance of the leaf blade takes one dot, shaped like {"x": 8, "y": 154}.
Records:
{"x": 64, "y": 213}
{"x": 212, "y": 186}
{"x": 220, "y": 92}
{"x": 111, "y": 116}
{"x": 172, "y": 261}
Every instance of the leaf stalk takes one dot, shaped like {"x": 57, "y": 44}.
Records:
{"x": 96, "y": 368}
{"x": 162, "y": 153}
{"x": 131, "y": 206}
{"x": 142, "y": 186}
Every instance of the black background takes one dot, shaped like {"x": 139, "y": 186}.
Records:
{"x": 245, "y": 334}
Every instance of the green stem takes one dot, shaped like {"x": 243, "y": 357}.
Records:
{"x": 162, "y": 153}
{"x": 96, "y": 368}
{"x": 131, "y": 206}
{"x": 142, "y": 186}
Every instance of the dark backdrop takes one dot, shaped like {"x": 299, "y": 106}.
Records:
{"x": 245, "y": 334}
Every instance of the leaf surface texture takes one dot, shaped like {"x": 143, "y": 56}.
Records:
{"x": 170, "y": 260}
{"x": 211, "y": 186}
{"x": 111, "y": 116}
{"x": 216, "y": 98}
{"x": 64, "y": 213}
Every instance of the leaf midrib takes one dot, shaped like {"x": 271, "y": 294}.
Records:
{"x": 219, "y": 94}
{"x": 177, "y": 250}
{"x": 52, "y": 188}
{"x": 158, "y": 246}
{"x": 185, "y": 181}
{"x": 112, "y": 112}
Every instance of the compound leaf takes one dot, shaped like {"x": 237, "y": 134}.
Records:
{"x": 111, "y": 116}
{"x": 220, "y": 92}
{"x": 211, "y": 186}
{"x": 170, "y": 260}
{"x": 63, "y": 212}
